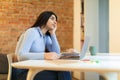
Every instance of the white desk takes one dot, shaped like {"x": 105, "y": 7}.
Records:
{"x": 104, "y": 64}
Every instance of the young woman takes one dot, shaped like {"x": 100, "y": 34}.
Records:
{"x": 40, "y": 42}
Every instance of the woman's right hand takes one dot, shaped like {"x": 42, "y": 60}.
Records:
{"x": 51, "y": 56}
{"x": 72, "y": 50}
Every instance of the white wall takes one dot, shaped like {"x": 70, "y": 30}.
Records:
{"x": 114, "y": 26}
{"x": 91, "y": 21}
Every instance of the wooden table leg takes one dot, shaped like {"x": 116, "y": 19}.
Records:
{"x": 110, "y": 75}
{"x": 31, "y": 74}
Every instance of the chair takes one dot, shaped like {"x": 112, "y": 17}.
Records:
{"x": 3, "y": 66}
{"x": 11, "y": 58}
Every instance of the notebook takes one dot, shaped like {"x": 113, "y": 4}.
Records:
{"x": 80, "y": 55}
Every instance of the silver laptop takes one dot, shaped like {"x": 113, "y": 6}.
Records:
{"x": 80, "y": 55}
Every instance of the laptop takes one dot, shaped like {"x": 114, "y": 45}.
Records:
{"x": 77, "y": 56}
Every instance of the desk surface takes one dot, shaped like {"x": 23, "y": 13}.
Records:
{"x": 91, "y": 63}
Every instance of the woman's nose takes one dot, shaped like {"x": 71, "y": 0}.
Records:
{"x": 55, "y": 21}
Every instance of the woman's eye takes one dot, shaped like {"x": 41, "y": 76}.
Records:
{"x": 52, "y": 18}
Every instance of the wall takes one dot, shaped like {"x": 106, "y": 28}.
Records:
{"x": 91, "y": 21}
{"x": 103, "y": 26}
{"x": 114, "y": 26}
{"x": 18, "y": 15}
{"x": 97, "y": 23}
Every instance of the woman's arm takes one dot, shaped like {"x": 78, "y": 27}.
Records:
{"x": 24, "y": 44}
{"x": 52, "y": 44}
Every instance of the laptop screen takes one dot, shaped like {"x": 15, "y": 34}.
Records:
{"x": 84, "y": 47}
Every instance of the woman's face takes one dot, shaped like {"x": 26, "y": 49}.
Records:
{"x": 52, "y": 23}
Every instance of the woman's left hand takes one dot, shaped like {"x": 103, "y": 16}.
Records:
{"x": 52, "y": 31}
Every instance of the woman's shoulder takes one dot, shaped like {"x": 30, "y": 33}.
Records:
{"x": 31, "y": 31}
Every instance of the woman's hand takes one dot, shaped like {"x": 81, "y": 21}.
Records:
{"x": 51, "y": 56}
{"x": 71, "y": 50}
{"x": 52, "y": 31}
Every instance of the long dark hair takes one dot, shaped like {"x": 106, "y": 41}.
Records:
{"x": 43, "y": 18}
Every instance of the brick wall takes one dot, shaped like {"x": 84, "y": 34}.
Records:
{"x": 17, "y": 15}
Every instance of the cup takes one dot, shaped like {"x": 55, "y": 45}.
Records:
{"x": 93, "y": 50}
